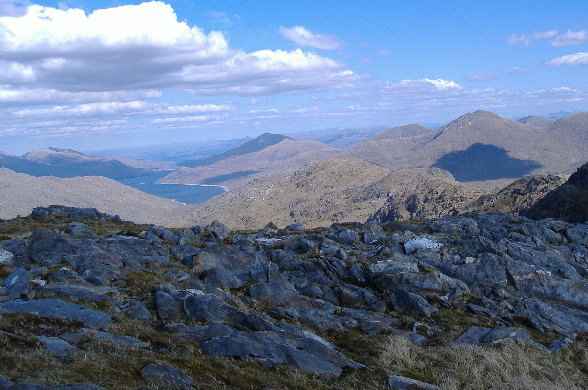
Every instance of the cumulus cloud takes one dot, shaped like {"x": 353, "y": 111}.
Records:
{"x": 301, "y": 36}
{"x": 577, "y": 59}
{"x": 144, "y": 46}
{"x": 570, "y": 38}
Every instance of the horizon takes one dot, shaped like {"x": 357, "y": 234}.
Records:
{"x": 95, "y": 75}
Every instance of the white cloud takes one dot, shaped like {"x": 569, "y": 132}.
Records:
{"x": 570, "y": 38}
{"x": 525, "y": 39}
{"x": 144, "y": 46}
{"x": 301, "y": 36}
{"x": 577, "y": 59}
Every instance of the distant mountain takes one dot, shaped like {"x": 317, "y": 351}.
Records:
{"x": 255, "y": 145}
{"x": 484, "y": 148}
{"x": 239, "y": 168}
{"x": 174, "y": 152}
{"x": 338, "y": 138}
{"x": 536, "y": 121}
{"x": 20, "y": 193}
{"x": 67, "y": 163}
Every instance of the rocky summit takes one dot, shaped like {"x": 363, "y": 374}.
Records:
{"x": 90, "y": 302}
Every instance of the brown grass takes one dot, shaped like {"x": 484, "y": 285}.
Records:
{"x": 513, "y": 365}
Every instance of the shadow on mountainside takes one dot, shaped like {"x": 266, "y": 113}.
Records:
{"x": 484, "y": 162}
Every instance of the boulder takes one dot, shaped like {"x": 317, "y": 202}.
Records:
{"x": 58, "y": 309}
{"x": 17, "y": 283}
{"x": 168, "y": 377}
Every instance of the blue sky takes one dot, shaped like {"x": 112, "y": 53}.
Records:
{"x": 100, "y": 74}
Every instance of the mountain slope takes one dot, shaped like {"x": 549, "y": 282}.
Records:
{"x": 255, "y": 145}
{"x": 238, "y": 169}
{"x": 67, "y": 163}
{"x": 338, "y": 190}
{"x": 20, "y": 193}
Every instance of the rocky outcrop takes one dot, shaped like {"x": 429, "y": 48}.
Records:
{"x": 274, "y": 296}
{"x": 569, "y": 201}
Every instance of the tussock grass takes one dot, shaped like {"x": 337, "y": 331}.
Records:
{"x": 513, "y": 365}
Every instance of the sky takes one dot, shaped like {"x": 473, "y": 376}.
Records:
{"x": 101, "y": 74}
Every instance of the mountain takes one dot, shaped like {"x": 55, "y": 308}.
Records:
{"x": 569, "y": 201}
{"x": 338, "y": 138}
{"x": 485, "y": 149}
{"x": 536, "y": 121}
{"x": 337, "y": 190}
{"x": 67, "y": 163}
{"x": 239, "y": 168}
{"x": 255, "y": 145}
{"x": 20, "y": 193}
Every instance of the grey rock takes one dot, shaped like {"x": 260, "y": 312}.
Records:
{"x": 557, "y": 346}
{"x": 76, "y": 292}
{"x": 478, "y": 335}
{"x": 345, "y": 236}
{"x": 59, "y": 347}
{"x": 219, "y": 277}
{"x": 17, "y": 283}
{"x": 211, "y": 308}
{"x": 66, "y": 275}
{"x": 5, "y": 257}
{"x": 276, "y": 294}
{"x": 168, "y": 308}
{"x": 403, "y": 301}
{"x": 4, "y": 382}
{"x": 201, "y": 333}
{"x": 217, "y": 230}
{"x": 300, "y": 244}
{"x": 308, "y": 354}
{"x": 159, "y": 234}
{"x": 421, "y": 243}
{"x": 58, "y": 309}
{"x": 295, "y": 227}
{"x": 138, "y": 311}
{"x": 398, "y": 382}
{"x": 79, "y": 229}
{"x": 168, "y": 377}
{"x": 357, "y": 274}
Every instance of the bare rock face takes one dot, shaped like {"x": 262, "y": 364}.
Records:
{"x": 568, "y": 202}
{"x": 518, "y": 196}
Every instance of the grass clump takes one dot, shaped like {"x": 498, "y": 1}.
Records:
{"x": 512, "y": 365}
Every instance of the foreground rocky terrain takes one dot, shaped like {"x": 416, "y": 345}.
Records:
{"x": 89, "y": 301}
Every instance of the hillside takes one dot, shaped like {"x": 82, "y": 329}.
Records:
{"x": 568, "y": 202}
{"x": 340, "y": 190}
{"x": 484, "y": 301}
{"x": 67, "y": 163}
{"x": 518, "y": 196}
{"x": 20, "y": 193}
{"x": 254, "y": 145}
{"x": 236, "y": 170}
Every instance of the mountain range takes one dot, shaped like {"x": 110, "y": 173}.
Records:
{"x": 68, "y": 163}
